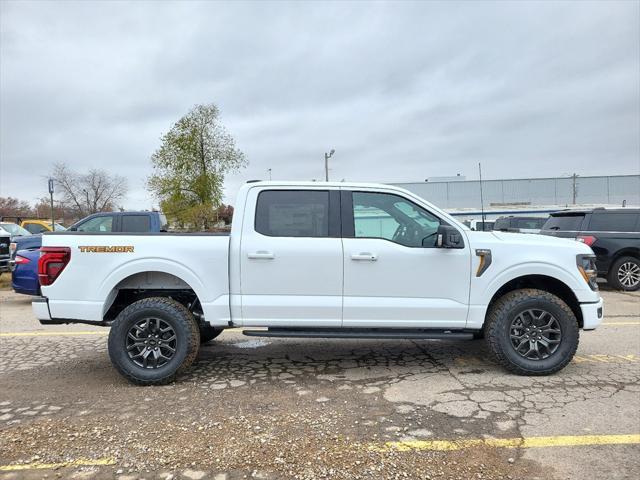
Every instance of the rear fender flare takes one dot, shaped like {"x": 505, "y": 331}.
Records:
{"x": 107, "y": 289}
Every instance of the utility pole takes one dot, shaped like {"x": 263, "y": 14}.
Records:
{"x": 269, "y": 170}
{"x": 327, "y": 156}
{"x": 53, "y": 220}
{"x": 575, "y": 187}
{"x": 481, "y": 198}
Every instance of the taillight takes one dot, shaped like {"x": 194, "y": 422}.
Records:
{"x": 52, "y": 262}
{"x": 588, "y": 240}
{"x": 21, "y": 260}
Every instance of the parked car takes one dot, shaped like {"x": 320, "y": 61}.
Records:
{"x": 14, "y": 229}
{"x": 333, "y": 260}
{"x": 24, "y": 277}
{"x": 519, "y": 224}
{"x": 614, "y": 236}
{"x": 479, "y": 225}
{"x": 5, "y": 251}
{"x": 17, "y": 234}
{"x": 34, "y": 225}
{"x": 130, "y": 222}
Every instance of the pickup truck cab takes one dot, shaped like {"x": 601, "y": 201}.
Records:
{"x": 130, "y": 222}
{"x": 318, "y": 259}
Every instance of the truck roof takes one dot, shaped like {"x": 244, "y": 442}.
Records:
{"x": 291, "y": 183}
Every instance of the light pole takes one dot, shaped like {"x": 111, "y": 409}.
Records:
{"x": 327, "y": 156}
{"x": 51, "y": 195}
{"x": 269, "y": 170}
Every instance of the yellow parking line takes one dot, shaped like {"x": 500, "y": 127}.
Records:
{"x": 70, "y": 463}
{"x": 621, "y": 323}
{"x": 48, "y": 334}
{"x": 530, "y": 442}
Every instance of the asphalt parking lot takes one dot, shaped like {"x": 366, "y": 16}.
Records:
{"x": 271, "y": 408}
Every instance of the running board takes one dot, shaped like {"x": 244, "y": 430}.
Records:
{"x": 390, "y": 333}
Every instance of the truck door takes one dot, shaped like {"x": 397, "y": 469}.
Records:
{"x": 291, "y": 258}
{"x": 394, "y": 275}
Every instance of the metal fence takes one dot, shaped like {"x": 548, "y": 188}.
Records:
{"x": 609, "y": 190}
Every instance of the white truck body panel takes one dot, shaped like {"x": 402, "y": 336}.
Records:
{"x": 85, "y": 288}
{"x": 251, "y": 279}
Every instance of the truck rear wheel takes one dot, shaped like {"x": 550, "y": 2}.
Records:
{"x": 153, "y": 340}
{"x": 532, "y": 332}
{"x": 208, "y": 333}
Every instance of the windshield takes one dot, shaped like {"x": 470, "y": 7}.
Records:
{"x": 58, "y": 228}
{"x": 14, "y": 229}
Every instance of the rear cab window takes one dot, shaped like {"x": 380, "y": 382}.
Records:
{"x": 293, "y": 213}
{"x": 136, "y": 223}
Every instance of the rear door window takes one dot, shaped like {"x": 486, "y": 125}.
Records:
{"x": 136, "y": 223}
{"x": 613, "y": 222}
{"x": 293, "y": 213}
{"x": 564, "y": 223}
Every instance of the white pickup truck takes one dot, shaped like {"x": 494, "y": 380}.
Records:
{"x": 322, "y": 260}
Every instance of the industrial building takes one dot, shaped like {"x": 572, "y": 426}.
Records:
{"x": 528, "y": 196}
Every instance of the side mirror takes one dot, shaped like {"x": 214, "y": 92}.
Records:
{"x": 449, "y": 237}
{"x": 72, "y": 229}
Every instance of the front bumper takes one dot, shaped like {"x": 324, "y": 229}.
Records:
{"x": 592, "y": 314}
{"x": 5, "y": 264}
{"x": 40, "y": 307}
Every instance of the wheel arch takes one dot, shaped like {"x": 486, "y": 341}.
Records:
{"x": 625, "y": 252}
{"x": 157, "y": 277}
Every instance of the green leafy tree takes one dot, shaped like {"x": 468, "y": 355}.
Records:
{"x": 190, "y": 167}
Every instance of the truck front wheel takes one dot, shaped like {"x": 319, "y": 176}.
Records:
{"x": 153, "y": 340}
{"x": 532, "y": 332}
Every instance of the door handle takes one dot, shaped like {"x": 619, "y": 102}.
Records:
{"x": 262, "y": 255}
{"x": 364, "y": 256}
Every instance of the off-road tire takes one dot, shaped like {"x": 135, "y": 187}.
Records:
{"x": 187, "y": 340}
{"x": 208, "y": 333}
{"x": 612, "y": 276}
{"x": 498, "y": 328}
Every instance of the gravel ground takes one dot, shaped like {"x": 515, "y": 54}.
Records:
{"x": 272, "y": 408}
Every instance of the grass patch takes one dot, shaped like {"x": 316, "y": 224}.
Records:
{"x": 5, "y": 281}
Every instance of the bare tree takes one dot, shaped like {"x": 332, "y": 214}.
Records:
{"x": 92, "y": 192}
{"x": 10, "y": 206}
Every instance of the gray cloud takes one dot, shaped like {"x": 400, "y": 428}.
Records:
{"x": 402, "y": 91}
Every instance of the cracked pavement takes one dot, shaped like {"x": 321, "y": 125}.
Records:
{"x": 312, "y": 408}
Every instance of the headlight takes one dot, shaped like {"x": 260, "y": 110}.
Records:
{"x": 588, "y": 270}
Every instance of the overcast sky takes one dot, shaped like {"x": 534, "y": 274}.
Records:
{"x": 402, "y": 91}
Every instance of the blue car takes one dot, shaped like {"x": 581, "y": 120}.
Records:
{"x": 24, "y": 278}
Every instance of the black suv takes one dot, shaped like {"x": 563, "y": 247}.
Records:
{"x": 519, "y": 224}
{"x": 614, "y": 236}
